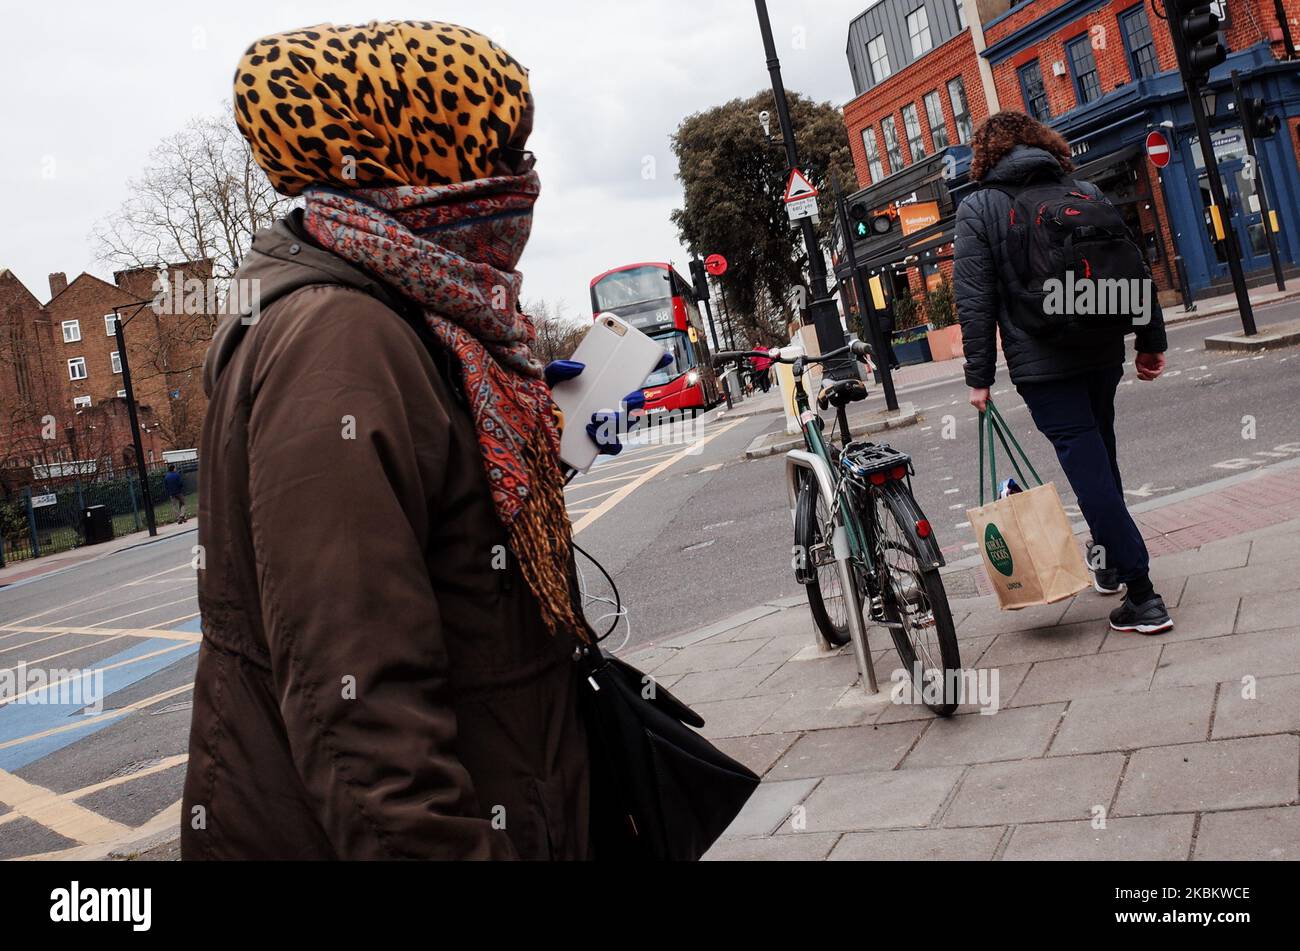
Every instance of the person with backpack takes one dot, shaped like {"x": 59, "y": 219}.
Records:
{"x": 1047, "y": 263}
{"x": 174, "y": 486}
{"x": 389, "y": 600}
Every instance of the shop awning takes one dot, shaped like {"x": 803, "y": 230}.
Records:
{"x": 1094, "y": 167}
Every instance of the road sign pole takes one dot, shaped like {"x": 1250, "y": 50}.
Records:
{"x": 1260, "y": 191}
{"x": 140, "y": 464}
{"x": 825, "y": 315}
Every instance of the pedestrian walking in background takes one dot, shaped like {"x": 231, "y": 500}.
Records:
{"x": 174, "y": 486}
{"x": 389, "y": 613}
{"x": 1067, "y": 377}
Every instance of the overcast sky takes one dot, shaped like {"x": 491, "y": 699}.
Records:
{"x": 92, "y": 86}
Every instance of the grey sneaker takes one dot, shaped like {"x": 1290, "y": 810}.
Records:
{"x": 1104, "y": 580}
{"x": 1150, "y": 617}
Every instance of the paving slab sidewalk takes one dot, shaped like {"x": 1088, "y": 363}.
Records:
{"x": 1089, "y": 745}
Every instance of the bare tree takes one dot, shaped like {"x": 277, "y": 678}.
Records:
{"x": 558, "y": 333}
{"x": 202, "y": 197}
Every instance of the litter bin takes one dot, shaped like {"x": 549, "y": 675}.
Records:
{"x": 97, "y": 525}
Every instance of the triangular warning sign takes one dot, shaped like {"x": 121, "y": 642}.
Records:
{"x": 799, "y": 187}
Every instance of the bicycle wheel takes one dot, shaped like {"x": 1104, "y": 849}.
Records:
{"x": 813, "y": 531}
{"x": 915, "y": 602}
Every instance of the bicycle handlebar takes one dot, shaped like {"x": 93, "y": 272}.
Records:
{"x": 858, "y": 348}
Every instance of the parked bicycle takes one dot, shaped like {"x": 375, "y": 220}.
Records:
{"x": 861, "y": 538}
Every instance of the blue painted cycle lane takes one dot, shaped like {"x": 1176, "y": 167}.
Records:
{"x": 33, "y": 715}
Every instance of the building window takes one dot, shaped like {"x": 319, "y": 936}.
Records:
{"x": 934, "y": 115}
{"x": 879, "y": 57}
{"x": 115, "y": 359}
{"x": 77, "y": 368}
{"x": 873, "y": 154}
{"x": 71, "y": 331}
{"x": 1083, "y": 66}
{"x": 110, "y": 325}
{"x": 892, "y": 150}
{"x": 81, "y": 402}
{"x": 915, "y": 139}
{"x": 1141, "y": 46}
{"x": 960, "y": 109}
{"x": 918, "y": 28}
{"x": 961, "y": 14}
{"x": 1031, "y": 87}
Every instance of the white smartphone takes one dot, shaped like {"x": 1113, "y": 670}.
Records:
{"x": 618, "y": 358}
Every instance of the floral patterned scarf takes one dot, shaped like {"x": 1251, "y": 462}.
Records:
{"x": 453, "y": 250}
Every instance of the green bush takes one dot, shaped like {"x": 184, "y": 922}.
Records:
{"x": 906, "y": 314}
{"x": 941, "y": 305}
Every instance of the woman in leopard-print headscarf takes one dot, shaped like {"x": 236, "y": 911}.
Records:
{"x": 388, "y": 612}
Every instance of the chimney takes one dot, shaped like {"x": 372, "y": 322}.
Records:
{"x": 58, "y": 284}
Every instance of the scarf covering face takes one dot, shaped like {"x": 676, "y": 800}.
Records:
{"x": 452, "y": 248}
{"x": 407, "y": 103}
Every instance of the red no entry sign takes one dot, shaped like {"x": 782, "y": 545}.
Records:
{"x": 1158, "y": 149}
{"x": 716, "y": 265}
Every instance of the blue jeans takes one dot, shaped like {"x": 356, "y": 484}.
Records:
{"x": 1077, "y": 415}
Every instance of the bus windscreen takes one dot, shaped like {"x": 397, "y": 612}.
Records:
{"x": 627, "y": 289}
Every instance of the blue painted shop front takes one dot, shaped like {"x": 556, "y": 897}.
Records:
{"x": 1111, "y": 132}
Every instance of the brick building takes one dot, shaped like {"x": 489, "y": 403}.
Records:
{"x": 61, "y": 384}
{"x": 918, "y": 82}
{"x": 1103, "y": 73}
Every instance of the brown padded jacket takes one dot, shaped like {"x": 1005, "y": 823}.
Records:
{"x": 374, "y": 681}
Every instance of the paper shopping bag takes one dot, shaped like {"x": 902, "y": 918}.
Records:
{"x": 1025, "y": 538}
{"x": 1028, "y": 548}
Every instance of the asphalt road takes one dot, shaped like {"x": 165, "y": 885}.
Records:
{"x": 711, "y": 535}
{"x": 132, "y": 617}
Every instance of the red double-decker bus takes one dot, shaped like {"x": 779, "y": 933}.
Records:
{"x": 659, "y": 302}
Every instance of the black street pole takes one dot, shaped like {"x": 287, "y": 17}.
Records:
{"x": 708, "y": 309}
{"x": 1247, "y": 116}
{"x": 825, "y": 315}
{"x": 142, "y": 470}
{"x": 726, "y": 313}
{"x": 1280, "y": 10}
{"x": 1230, "y": 247}
{"x": 866, "y": 305}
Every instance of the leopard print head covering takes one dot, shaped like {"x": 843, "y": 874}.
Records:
{"x": 401, "y": 103}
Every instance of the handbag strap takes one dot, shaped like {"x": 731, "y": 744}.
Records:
{"x": 991, "y": 422}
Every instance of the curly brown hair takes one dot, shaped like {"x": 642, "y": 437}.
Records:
{"x": 1003, "y": 131}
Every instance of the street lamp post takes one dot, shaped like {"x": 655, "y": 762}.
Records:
{"x": 825, "y": 315}
{"x": 142, "y": 469}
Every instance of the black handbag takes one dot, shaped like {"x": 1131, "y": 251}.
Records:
{"x": 659, "y": 790}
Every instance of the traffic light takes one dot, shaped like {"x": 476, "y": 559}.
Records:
{"x": 1261, "y": 126}
{"x": 1198, "y": 28}
{"x": 860, "y": 213}
{"x": 868, "y": 221}
{"x": 700, "y": 277}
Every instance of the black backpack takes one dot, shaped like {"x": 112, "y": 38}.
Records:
{"x": 1059, "y": 232}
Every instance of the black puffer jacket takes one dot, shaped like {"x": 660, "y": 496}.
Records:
{"x": 982, "y": 223}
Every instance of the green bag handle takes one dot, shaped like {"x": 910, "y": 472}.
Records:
{"x": 991, "y": 422}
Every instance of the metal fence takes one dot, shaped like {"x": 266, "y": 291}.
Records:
{"x": 48, "y": 517}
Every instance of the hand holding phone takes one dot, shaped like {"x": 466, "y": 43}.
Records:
{"x": 617, "y": 358}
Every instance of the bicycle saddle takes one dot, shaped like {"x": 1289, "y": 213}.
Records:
{"x": 839, "y": 393}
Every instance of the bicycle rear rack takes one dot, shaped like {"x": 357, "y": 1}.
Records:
{"x": 865, "y": 459}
